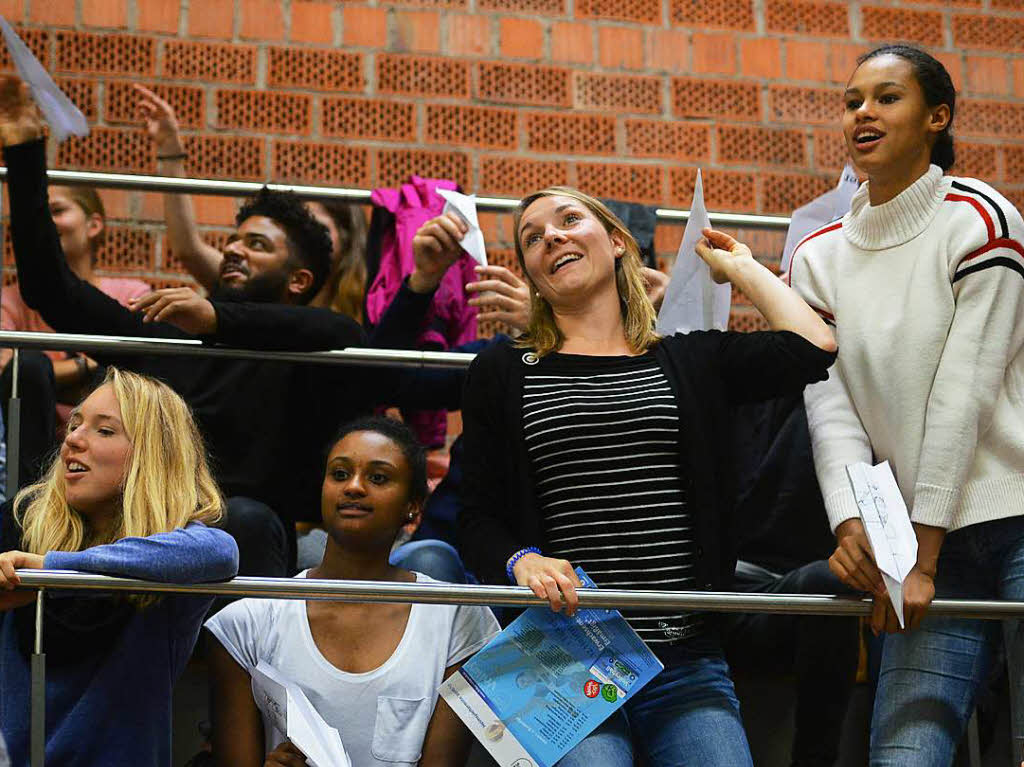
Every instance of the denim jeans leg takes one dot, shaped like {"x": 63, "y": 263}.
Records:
{"x": 607, "y": 746}
{"x": 930, "y": 677}
{"x": 688, "y": 716}
{"x": 1011, "y": 586}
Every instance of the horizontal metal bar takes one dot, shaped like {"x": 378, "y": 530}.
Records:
{"x": 193, "y": 348}
{"x": 512, "y": 596}
{"x": 361, "y": 196}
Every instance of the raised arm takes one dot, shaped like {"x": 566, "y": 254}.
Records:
{"x": 47, "y": 284}
{"x": 201, "y": 259}
{"x": 731, "y": 261}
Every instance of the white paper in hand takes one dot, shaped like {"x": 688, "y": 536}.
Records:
{"x": 887, "y": 525}
{"x": 464, "y": 206}
{"x": 693, "y": 301}
{"x": 290, "y": 713}
{"x": 64, "y": 118}
{"x": 832, "y": 205}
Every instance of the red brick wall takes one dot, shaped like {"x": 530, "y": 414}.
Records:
{"x": 624, "y": 98}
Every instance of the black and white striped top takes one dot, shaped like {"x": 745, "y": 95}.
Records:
{"x": 602, "y": 434}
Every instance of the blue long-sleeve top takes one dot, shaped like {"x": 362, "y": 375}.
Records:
{"x": 108, "y": 698}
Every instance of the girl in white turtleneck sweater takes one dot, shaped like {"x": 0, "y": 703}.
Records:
{"x": 924, "y": 283}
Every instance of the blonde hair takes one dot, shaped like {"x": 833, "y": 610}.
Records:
{"x": 638, "y": 315}
{"x": 167, "y": 482}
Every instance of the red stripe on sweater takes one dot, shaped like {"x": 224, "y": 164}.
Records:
{"x": 994, "y": 244}
{"x": 978, "y": 207}
{"x": 808, "y": 238}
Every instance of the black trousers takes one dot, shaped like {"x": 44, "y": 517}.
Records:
{"x": 37, "y": 390}
{"x": 821, "y": 651}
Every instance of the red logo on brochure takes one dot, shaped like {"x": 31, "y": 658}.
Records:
{"x": 592, "y": 688}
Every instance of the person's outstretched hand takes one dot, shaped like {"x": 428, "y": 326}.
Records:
{"x": 501, "y": 296}
{"x": 435, "y": 247}
{"x": 721, "y": 253}
{"x": 9, "y": 562}
{"x": 181, "y": 307}
{"x": 20, "y": 121}
{"x": 159, "y": 120}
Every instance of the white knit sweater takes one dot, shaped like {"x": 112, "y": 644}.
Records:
{"x": 926, "y": 293}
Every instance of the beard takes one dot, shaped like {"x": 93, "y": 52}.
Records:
{"x": 267, "y": 288}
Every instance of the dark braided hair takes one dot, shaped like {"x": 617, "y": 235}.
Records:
{"x": 937, "y": 86}
{"x": 403, "y": 438}
{"x": 309, "y": 244}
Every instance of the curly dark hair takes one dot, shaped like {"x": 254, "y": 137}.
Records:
{"x": 403, "y": 438}
{"x": 937, "y": 86}
{"x": 309, "y": 244}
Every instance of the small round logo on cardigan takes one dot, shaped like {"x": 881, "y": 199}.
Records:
{"x": 530, "y": 358}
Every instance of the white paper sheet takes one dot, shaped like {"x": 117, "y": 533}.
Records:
{"x": 464, "y": 206}
{"x": 887, "y": 525}
{"x": 64, "y": 118}
{"x": 832, "y": 205}
{"x": 286, "y": 706}
{"x": 693, "y": 301}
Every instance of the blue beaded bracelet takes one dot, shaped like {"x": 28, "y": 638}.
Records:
{"x": 515, "y": 558}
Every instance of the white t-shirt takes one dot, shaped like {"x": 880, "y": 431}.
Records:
{"x": 382, "y": 715}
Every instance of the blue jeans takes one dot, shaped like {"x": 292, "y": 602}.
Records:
{"x": 687, "y": 715}
{"x": 929, "y": 678}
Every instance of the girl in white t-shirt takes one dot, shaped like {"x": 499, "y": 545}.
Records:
{"x": 370, "y": 670}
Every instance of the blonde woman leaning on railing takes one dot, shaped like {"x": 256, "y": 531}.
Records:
{"x": 129, "y": 494}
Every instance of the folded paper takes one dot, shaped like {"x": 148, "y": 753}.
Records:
{"x": 694, "y": 301}
{"x": 63, "y": 117}
{"x": 289, "y": 712}
{"x": 464, "y": 207}
{"x": 887, "y": 525}
{"x": 829, "y": 207}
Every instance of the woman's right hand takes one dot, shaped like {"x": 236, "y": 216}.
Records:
{"x": 853, "y": 563}
{"x": 550, "y": 579}
{"x": 19, "y": 118}
{"x": 435, "y": 247}
{"x": 160, "y": 121}
{"x": 285, "y": 755}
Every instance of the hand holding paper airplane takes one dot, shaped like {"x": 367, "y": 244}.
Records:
{"x": 693, "y": 301}
{"x": 64, "y": 118}
{"x": 464, "y": 207}
{"x": 887, "y": 525}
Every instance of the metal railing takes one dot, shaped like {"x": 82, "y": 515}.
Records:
{"x": 220, "y": 188}
{"x": 443, "y": 593}
{"x": 73, "y": 342}
{"x": 508, "y": 596}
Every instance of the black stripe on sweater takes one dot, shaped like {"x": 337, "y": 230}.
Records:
{"x": 999, "y": 211}
{"x": 1009, "y": 263}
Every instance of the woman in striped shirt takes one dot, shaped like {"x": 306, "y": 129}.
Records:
{"x": 594, "y": 442}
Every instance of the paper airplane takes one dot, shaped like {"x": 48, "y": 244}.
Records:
{"x": 289, "y": 711}
{"x": 694, "y": 301}
{"x": 464, "y": 206}
{"x": 64, "y": 118}
{"x": 887, "y": 525}
{"x": 832, "y": 205}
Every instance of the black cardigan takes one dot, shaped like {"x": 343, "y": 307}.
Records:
{"x": 709, "y": 372}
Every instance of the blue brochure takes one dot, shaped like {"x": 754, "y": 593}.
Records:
{"x": 547, "y": 681}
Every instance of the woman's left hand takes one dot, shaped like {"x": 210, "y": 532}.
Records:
{"x": 918, "y": 593}
{"x": 722, "y": 253}
{"x": 16, "y": 560}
